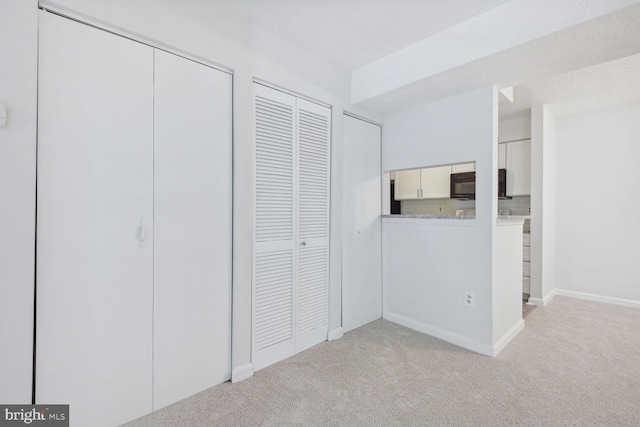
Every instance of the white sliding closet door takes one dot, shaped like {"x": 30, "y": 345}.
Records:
{"x": 361, "y": 226}
{"x": 192, "y": 216}
{"x": 291, "y": 274}
{"x": 95, "y": 211}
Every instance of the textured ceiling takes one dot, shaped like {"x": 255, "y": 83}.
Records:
{"x": 611, "y": 37}
{"x": 352, "y": 33}
{"x": 603, "y": 86}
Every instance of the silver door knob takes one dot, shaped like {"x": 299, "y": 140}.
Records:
{"x": 303, "y": 243}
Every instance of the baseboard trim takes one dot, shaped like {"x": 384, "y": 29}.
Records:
{"x": 598, "y": 298}
{"x": 242, "y": 373}
{"x": 335, "y": 334}
{"x": 541, "y": 302}
{"x": 499, "y": 345}
{"x": 451, "y": 337}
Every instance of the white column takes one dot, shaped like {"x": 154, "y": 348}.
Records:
{"x": 543, "y": 204}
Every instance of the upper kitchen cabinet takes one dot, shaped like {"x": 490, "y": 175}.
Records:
{"x": 407, "y": 184}
{"x": 463, "y": 167}
{"x": 435, "y": 182}
{"x": 425, "y": 183}
{"x": 518, "y": 165}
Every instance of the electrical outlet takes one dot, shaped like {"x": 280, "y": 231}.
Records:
{"x": 529, "y": 209}
{"x": 470, "y": 299}
{"x": 440, "y": 208}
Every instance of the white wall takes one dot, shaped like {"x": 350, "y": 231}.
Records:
{"x": 543, "y": 205}
{"x": 506, "y": 245}
{"x": 507, "y": 281}
{"x": 202, "y": 29}
{"x": 453, "y": 130}
{"x": 428, "y": 265}
{"x": 18, "y": 86}
{"x": 598, "y": 206}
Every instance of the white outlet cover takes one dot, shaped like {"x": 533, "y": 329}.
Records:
{"x": 470, "y": 299}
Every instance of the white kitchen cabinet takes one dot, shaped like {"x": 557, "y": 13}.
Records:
{"x": 435, "y": 183}
{"x": 518, "y": 165}
{"x": 426, "y": 183}
{"x": 134, "y": 216}
{"x": 463, "y": 167}
{"x": 502, "y": 156}
{"x": 407, "y": 184}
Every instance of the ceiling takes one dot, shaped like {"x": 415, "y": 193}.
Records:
{"x": 599, "y": 87}
{"x": 587, "y": 64}
{"x": 352, "y": 33}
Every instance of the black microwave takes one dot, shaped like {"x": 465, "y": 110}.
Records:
{"x": 463, "y": 185}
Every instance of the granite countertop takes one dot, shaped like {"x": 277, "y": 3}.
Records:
{"x": 432, "y": 216}
{"x": 514, "y": 217}
{"x": 505, "y": 218}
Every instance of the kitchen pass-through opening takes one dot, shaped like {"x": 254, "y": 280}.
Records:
{"x": 444, "y": 190}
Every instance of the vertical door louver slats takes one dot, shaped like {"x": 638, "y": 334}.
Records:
{"x": 291, "y": 252}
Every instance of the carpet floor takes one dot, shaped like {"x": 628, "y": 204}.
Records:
{"x": 575, "y": 363}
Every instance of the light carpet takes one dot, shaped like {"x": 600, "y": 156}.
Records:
{"x": 575, "y": 363}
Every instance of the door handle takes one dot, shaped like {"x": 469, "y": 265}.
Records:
{"x": 143, "y": 233}
{"x": 303, "y": 243}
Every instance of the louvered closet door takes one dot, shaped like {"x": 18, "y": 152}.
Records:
{"x": 291, "y": 270}
{"x": 314, "y": 126}
{"x": 274, "y": 250}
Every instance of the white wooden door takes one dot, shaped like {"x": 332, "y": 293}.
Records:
{"x": 95, "y": 215}
{"x": 361, "y": 224}
{"x": 291, "y": 251}
{"x": 192, "y": 216}
{"x": 275, "y": 227}
{"x": 407, "y": 184}
{"x": 312, "y": 291}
